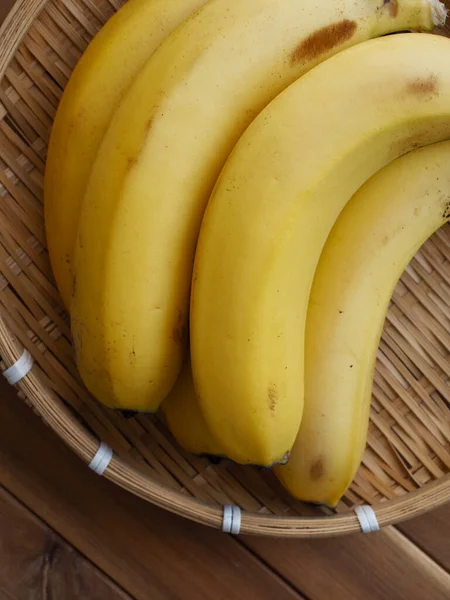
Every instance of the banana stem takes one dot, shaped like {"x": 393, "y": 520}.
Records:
{"x": 439, "y": 12}
{"x": 415, "y": 15}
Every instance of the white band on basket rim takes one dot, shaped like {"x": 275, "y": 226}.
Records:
{"x": 101, "y": 460}
{"x": 367, "y": 518}
{"x": 231, "y": 519}
{"x": 19, "y": 369}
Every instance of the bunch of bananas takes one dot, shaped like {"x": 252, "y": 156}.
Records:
{"x": 225, "y": 176}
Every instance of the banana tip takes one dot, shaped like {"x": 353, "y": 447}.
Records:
{"x": 284, "y": 460}
{"x": 277, "y": 463}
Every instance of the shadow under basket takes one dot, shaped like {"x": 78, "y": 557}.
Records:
{"x": 405, "y": 471}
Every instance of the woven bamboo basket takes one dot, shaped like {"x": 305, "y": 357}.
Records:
{"x": 405, "y": 471}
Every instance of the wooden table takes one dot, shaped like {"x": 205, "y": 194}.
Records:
{"x": 65, "y": 533}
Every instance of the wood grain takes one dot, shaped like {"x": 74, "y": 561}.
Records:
{"x": 150, "y": 553}
{"x": 380, "y": 566}
{"x": 432, "y": 534}
{"x": 36, "y": 564}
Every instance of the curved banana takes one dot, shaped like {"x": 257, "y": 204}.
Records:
{"x": 281, "y": 191}
{"x": 373, "y": 241}
{"x": 159, "y": 161}
{"x": 93, "y": 92}
{"x": 185, "y": 419}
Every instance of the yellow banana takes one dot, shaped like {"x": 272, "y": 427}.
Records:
{"x": 374, "y": 239}
{"x": 281, "y": 191}
{"x": 95, "y": 88}
{"x": 159, "y": 161}
{"x": 369, "y": 246}
{"x": 185, "y": 419}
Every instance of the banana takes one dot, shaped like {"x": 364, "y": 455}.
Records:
{"x": 185, "y": 419}
{"x": 277, "y": 198}
{"x": 93, "y": 92}
{"x": 159, "y": 161}
{"x": 373, "y": 241}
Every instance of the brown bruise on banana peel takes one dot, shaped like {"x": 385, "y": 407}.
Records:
{"x": 392, "y": 6}
{"x": 317, "y": 469}
{"x": 323, "y": 40}
{"x": 148, "y": 126}
{"x": 426, "y": 88}
{"x": 131, "y": 162}
{"x": 409, "y": 143}
{"x": 179, "y": 332}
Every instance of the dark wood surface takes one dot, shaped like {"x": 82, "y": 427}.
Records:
{"x": 37, "y": 563}
{"x": 66, "y": 533}
{"x": 4, "y": 9}
{"x": 432, "y": 535}
{"x": 370, "y": 567}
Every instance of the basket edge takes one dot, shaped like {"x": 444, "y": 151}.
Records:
{"x": 67, "y": 427}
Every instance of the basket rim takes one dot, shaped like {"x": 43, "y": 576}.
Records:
{"x": 53, "y": 411}
{"x": 55, "y": 414}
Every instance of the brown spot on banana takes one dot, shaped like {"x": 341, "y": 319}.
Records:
{"x": 392, "y": 6}
{"x": 317, "y": 469}
{"x": 131, "y": 162}
{"x": 273, "y": 397}
{"x": 409, "y": 143}
{"x": 446, "y": 214}
{"x": 323, "y": 40}
{"x": 179, "y": 332}
{"x": 424, "y": 87}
